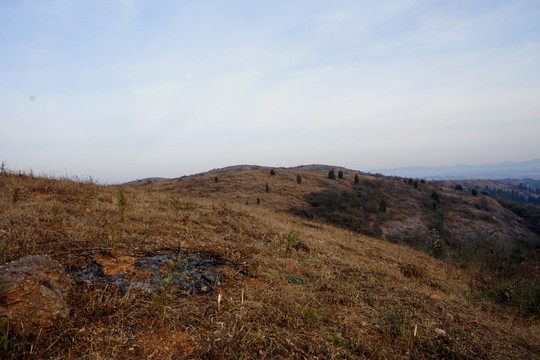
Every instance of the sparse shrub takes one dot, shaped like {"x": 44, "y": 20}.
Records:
{"x": 15, "y": 197}
{"x": 436, "y": 197}
{"x": 175, "y": 204}
{"x": 299, "y": 179}
{"x": 434, "y": 244}
{"x": 337, "y": 340}
{"x": 294, "y": 279}
{"x": 356, "y": 179}
{"x": 122, "y": 205}
{"x": 267, "y": 188}
{"x": 272, "y": 172}
{"x": 340, "y": 174}
{"x": 289, "y": 239}
{"x": 395, "y": 323}
{"x": 332, "y": 175}
{"x": 382, "y": 205}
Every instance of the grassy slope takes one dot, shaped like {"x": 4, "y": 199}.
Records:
{"x": 339, "y": 295}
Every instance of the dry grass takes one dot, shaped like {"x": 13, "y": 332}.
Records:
{"x": 338, "y": 295}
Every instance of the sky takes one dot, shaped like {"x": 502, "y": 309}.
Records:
{"x": 119, "y": 90}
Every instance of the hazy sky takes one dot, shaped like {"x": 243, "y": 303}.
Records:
{"x": 125, "y": 89}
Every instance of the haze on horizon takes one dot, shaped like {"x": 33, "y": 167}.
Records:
{"x": 127, "y": 89}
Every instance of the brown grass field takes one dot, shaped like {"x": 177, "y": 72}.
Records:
{"x": 291, "y": 288}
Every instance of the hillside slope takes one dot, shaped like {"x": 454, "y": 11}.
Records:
{"x": 288, "y": 288}
{"x": 408, "y": 215}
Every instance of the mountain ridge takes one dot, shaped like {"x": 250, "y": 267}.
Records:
{"x": 491, "y": 171}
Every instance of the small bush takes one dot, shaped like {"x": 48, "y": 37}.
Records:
{"x": 340, "y": 174}
{"x": 458, "y": 187}
{"x": 434, "y": 244}
{"x": 216, "y": 179}
{"x": 122, "y": 205}
{"x": 299, "y": 179}
{"x": 15, "y": 197}
{"x": 272, "y": 172}
{"x": 289, "y": 240}
{"x": 474, "y": 192}
{"x": 356, "y": 179}
{"x": 267, "y": 188}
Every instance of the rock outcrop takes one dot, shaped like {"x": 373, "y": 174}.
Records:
{"x": 33, "y": 294}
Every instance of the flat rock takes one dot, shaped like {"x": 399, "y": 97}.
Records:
{"x": 33, "y": 294}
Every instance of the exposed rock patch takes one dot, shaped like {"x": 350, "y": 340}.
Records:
{"x": 33, "y": 294}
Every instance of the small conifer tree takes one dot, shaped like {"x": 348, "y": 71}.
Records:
{"x": 332, "y": 175}
{"x": 299, "y": 178}
{"x": 272, "y": 172}
{"x": 267, "y": 188}
{"x": 216, "y": 179}
{"x": 356, "y": 179}
{"x": 436, "y": 197}
{"x": 474, "y": 192}
{"x": 340, "y": 174}
{"x": 382, "y": 205}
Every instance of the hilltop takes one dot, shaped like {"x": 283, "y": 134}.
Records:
{"x": 291, "y": 276}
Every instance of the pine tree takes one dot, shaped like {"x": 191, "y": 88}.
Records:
{"x": 340, "y": 174}
{"x": 356, "y": 179}
{"x": 332, "y": 175}
{"x": 299, "y": 178}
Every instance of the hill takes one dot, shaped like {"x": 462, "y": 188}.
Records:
{"x": 276, "y": 285}
{"x": 508, "y": 169}
{"x": 409, "y": 211}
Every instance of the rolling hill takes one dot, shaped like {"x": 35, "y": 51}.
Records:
{"x": 291, "y": 271}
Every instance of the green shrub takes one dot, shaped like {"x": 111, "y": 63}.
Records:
{"x": 458, "y": 187}
{"x": 474, "y": 192}
{"x": 356, "y": 179}
{"x": 299, "y": 179}
{"x": 267, "y": 188}
{"x": 340, "y": 174}
{"x": 272, "y": 172}
{"x": 216, "y": 179}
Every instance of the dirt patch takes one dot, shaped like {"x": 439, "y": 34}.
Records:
{"x": 192, "y": 274}
{"x": 162, "y": 342}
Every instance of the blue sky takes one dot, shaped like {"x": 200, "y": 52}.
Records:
{"x": 125, "y": 89}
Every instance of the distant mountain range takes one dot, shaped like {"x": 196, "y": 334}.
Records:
{"x": 516, "y": 170}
